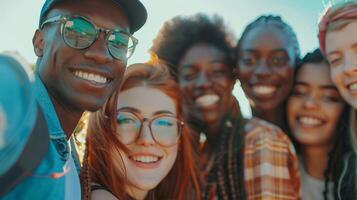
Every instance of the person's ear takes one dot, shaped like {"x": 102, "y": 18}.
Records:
{"x": 37, "y": 42}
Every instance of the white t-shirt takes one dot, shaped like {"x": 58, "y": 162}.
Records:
{"x": 312, "y": 188}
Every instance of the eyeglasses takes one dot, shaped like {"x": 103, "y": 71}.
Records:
{"x": 164, "y": 129}
{"x": 79, "y": 32}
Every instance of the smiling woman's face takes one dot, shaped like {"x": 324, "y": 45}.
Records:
{"x": 315, "y": 106}
{"x": 207, "y": 82}
{"x": 147, "y": 163}
{"x": 266, "y": 67}
{"x": 341, "y": 51}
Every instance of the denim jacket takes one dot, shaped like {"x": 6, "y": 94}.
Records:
{"x": 41, "y": 184}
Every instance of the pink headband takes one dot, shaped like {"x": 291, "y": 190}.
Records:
{"x": 348, "y": 11}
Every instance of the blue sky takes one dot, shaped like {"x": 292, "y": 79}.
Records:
{"x": 19, "y": 19}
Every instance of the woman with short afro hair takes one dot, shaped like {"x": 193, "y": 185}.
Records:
{"x": 234, "y": 152}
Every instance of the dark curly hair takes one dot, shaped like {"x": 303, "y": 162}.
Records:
{"x": 182, "y": 32}
{"x": 273, "y": 21}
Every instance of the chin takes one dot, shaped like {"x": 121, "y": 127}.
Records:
{"x": 267, "y": 106}
{"x": 210, "y": 119}
{"x": 91, "y": 106}
{"x": 350, "y": 100}
{"x": 147, "y": 186}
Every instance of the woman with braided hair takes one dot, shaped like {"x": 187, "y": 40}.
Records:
{"x": 239, "y": 158}
{"x": 266, "y": 55}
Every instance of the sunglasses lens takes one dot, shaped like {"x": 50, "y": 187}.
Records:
{"x": 120, "y": 45}
{"x": 78, "y": 33}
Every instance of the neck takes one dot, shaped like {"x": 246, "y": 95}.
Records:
{"x": 68, "y": 117}
{"x": 212, "y": 133}
{"x": 275, "y": 116}
{"x": 137, "y": 193}
{"x": 316, "y": 160}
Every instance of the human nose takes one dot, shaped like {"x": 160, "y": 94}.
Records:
{"x": 99, "y": 51}
{"x": 203, "y": 80}
{"x": 145, "y": 137}
{"x": 262, "y": 70}
{"x": 310, "y": 102}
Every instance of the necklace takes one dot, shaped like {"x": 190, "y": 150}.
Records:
{"x": 225, "y": 167}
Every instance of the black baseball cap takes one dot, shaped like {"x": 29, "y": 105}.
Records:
{"x": 134, "y": 9}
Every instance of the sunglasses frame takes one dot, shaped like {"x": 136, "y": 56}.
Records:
{"x": 63, "y": 19}
{"x": 142, "y": 120}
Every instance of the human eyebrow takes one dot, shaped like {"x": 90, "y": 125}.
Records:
{"x": 331, "y": 53}
{"x": 217, "y": 60}
{"x": 187, "y": 66}
{"x": 130, "y": 109}
{"x": 301, "y": 83}
{"x": 249, "y": 51}
{"x": 329, "y": 87}
{"x": 280, "y": 50}
{"x": 163, "y": 112}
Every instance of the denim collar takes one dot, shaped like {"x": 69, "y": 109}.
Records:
{"x": 44, "y": 100}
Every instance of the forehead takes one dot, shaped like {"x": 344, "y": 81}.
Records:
{"x": 146, "y": 99}
{"x": 266, "y": 37}
{"x": 201, "y": 53}
{"x": 315, "y": 73}
{"x": 103, "y": 13}
{"x": 342, "y": 39}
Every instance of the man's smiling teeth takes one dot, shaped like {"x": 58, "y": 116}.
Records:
{"x": 91, "y": 77}
{"x": 145, "y": 159}
{"x": 310, "y": 121}
{"x": 353, "y": 86}
{"x": 264, "y": 89}
{"x": 207, "y": 100}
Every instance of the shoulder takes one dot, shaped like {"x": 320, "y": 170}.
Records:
{"x": 102, "y": 194}
{"x": 347, "y": 180}
{"x": 260, "y": 132}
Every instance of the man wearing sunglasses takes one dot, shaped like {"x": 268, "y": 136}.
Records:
{"x": 82, "y": 48}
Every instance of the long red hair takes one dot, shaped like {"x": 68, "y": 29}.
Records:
{"x": 103, "y": 145}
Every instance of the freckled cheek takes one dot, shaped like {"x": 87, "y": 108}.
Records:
{"x": 334, "y": 111}
{"x": 286, "y": 73}
{"x": 292, "y": 107}
{"x": 286, "y": 78}
{"x": 224, "y": 82}
{"x": 171, "y": 154}
{"x": 336, "y": 77}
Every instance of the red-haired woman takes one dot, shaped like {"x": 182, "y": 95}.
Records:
{"x": 137, "y": 145}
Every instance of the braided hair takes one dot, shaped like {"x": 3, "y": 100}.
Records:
{"x": 277, "y": 22}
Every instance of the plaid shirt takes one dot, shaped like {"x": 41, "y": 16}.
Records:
{"x": 270, "y": 163}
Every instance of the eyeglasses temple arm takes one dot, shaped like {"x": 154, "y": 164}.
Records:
{"x": 51, "y": 20}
